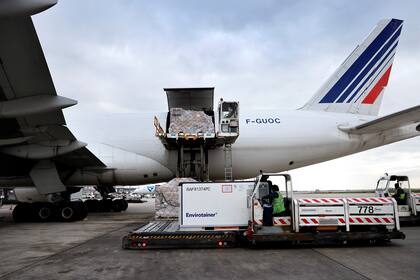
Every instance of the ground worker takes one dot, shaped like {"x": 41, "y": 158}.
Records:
{"x": 267, "y": 204}
{"x": 399, "y": 194}
{"x": 273, "y": 204}
{"x": 278, "y": 202}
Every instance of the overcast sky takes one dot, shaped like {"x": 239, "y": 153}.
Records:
{"x": 116, "y": 56}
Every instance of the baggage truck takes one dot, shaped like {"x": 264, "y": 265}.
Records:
{"x": 229, "y": 214}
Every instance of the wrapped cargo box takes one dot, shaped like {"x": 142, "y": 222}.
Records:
{"x": 167, "y": 199}
{"x": 190, "y": 122}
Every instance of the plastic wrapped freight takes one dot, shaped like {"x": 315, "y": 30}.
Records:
{"x": 167, "y": 199}
{"x": 190, "y": 122}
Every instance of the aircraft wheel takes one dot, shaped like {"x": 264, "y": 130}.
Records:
{"x": 22, "y": 213}
{"x": 81, "y": 209}
{"x": 125, "y": 205}
{"x": 68, "y": 212}
{"x": 107, "y": 205}
{"x": 117, "y": 205}
{"x": 85, "y": 211}
{"x": 43, "y": 212}
{"x": 93, "y": 205}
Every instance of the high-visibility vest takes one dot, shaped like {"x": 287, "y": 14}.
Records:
{"x": 402, "y": 196}
{"x": 278, "y": 204}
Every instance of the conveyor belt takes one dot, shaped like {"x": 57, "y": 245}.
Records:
{"x": 159, "y": 226}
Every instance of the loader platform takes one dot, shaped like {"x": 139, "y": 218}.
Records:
{"x": 166, "y": 234}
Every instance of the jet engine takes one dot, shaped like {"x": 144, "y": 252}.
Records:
{"x": 24, "y": 7}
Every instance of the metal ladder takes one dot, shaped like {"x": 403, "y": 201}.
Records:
{"x": 228, "y": 162}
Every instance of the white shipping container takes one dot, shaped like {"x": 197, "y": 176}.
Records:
{"x": 214, "y": 204}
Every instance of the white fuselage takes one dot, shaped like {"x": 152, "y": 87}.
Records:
{"x": 272, "y": 141}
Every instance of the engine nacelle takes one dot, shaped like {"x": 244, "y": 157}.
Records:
{"x": 29, "y": 194}
{"x": 10, "y": 8}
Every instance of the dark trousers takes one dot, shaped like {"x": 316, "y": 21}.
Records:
{"x": 267, "y": 215}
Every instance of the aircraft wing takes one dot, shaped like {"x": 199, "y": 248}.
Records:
{"x": 32, "y": 124}
{"x": 395, "y": 120}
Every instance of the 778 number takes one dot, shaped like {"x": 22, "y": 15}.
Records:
{"x": 366, "y": 209}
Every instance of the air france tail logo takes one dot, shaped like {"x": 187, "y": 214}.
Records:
{"x": 263, "y": 121}
{"x": 365, "y": 78}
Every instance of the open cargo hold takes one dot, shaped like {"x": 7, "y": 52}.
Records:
{"x": 192, "y": 127}
{"x": 230, "y": 214}
{"x": 191, "y": 116}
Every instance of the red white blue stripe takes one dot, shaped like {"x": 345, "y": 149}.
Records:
{"x": 366, "y": 77}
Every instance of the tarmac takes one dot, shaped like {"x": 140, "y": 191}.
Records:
{"x": 91, "y": 249}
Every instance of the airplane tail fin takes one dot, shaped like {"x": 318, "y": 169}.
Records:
{"x": 358, "y": 84}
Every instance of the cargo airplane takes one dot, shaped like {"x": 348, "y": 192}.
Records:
{"x": 39, "y": 151}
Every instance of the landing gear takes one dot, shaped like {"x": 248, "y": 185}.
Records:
{"x": 48, "y": 212}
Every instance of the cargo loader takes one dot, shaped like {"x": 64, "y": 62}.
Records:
{"x": 230, "y": 214}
